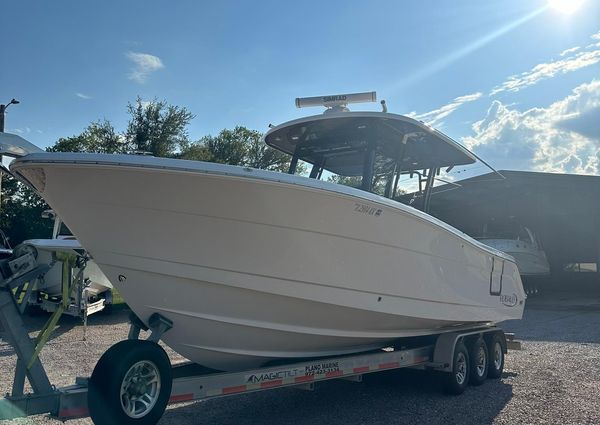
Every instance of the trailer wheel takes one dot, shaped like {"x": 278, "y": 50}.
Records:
{"x": 456, "y": 382}
{"x": 479, "y": 362}
{"x": 131, "y": 384}
{"x": 496, "y": 357}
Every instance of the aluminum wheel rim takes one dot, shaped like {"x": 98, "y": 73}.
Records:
{"x": 497, "y": 356}
{"x": 140, "y": 389}
{"x": 481, "y": 361}
{"x": 461, "y": 368}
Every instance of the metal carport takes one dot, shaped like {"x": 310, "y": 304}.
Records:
{"x": 562, "y": 209}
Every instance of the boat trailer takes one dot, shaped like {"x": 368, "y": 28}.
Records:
{"x": 448, "y": 352}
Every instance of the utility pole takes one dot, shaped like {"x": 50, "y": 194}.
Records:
{"x": 3, "y": 107}
{"x": 3, "y": 110}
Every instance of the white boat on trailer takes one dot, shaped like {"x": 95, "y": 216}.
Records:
{"x": 255, "y": 266}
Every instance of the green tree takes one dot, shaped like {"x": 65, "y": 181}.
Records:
{"x": 197, "y": 152}
{"x": 228, "y": 147}
{"x": 260, "y": 155}
{"x": 240, "y": 146}
{"x": 21, "y": 212}
{"x": 98, "y": 137}
{"x": 157, "y": 127}
{"x": 352, "y": 181}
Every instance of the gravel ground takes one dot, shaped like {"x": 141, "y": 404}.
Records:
{"x": 554, "y": 379}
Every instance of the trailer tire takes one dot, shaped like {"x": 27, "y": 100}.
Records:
{"x": 131, "y": 384}
{"x": 456, "y": 381}
{"x": 495, "y": 356}
{"x": 479, "y": 362}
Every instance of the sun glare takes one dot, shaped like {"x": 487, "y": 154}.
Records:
{"x": 566, "y": 6}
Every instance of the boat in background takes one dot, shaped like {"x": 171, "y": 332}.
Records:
{"x": 519, "y": 242}
{"x": 253, "y": 266}
{"x": 90, "y": 294}
{"x": 523, "y": 245}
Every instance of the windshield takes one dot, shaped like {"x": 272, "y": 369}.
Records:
{"x": 505, "y": 230}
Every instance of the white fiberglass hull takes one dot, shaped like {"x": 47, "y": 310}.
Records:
{"x": 252, "y": 266}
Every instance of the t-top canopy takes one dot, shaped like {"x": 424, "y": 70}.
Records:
{"x": 16, "y": 146}
{"x": 339, "y": 142}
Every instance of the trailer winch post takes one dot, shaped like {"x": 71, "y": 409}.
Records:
{"x": 68, "y": 285}
{"x": 17, "y": 334}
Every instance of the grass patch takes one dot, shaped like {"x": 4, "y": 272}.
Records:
{"x": 118, "y": 301}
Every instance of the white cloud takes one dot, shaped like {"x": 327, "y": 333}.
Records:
{"x": 144, "y": 65}
{"x": 82, "y": 96}
{"x": 564, "y": 137}
{"x": 25, "y": 130}
{"x": 544, "y": 71}
{"x": 574, "y": 59}
{"x": 568, "y": 51}
{"x": 436, "y": 116}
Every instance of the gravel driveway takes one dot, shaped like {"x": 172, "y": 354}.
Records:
{"x": 555, "y": 379}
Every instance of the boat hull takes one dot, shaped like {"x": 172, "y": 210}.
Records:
{"x": 253, "y": 266}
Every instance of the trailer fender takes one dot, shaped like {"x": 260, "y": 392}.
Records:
{"x": 445, "y": 345}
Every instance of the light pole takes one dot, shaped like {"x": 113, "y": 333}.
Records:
{"x": 3, "y": 110}
{"x": 3, "y": 107}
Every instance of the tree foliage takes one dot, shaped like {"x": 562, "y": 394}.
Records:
{"x": 157, "y": 127}
{"x": 383, "y": 175}
{"x": 240, "y": 146}
{"x": 98, "y": 137}
{"x": 352, "y": 181}
{"x": 21, "y": 211}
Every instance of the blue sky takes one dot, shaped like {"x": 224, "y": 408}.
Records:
{"x": 488, "y": 73}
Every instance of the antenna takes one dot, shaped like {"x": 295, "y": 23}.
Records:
{"x": 336, "y": 101}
